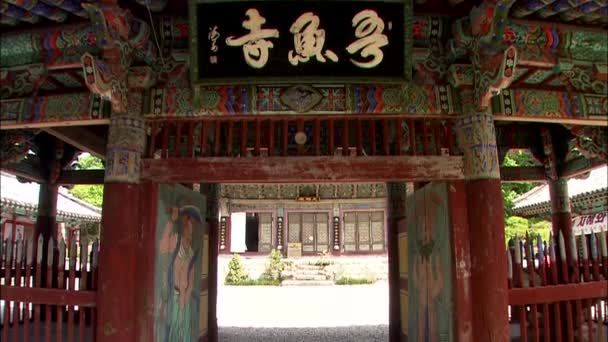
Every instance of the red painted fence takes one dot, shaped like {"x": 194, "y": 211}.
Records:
{"x": 48, "y": 290}
{"x": 552, "y": 299}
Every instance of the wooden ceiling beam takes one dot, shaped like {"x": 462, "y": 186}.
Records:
{"x": 534, "y": 174}
{"x": 80, "y": 137}
{"x": 303, "y": 169}
{"x": 81, "y": 177}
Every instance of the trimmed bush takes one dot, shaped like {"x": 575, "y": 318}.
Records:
{"x": 236, "y": 271}
{"x": 274, "y": 267}
{"x": 353, "y": 281}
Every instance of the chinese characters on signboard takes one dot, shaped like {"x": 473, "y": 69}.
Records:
{"x": 345, "y": 39}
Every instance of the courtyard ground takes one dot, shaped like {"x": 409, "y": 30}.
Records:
{"x": 356, "y": 313}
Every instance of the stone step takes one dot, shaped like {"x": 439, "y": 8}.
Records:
{"x": 309, "y": 267}
{"x": 309, "y": 277}
{"x": 310, "y": 272}
{"x": 307, "y": 283}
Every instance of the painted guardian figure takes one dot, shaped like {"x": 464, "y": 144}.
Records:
{"x": 177, "y": 240}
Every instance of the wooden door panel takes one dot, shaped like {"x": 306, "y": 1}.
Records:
{"x": 308, "y": 232}
{"x": 350, "y": 232}
{"x": 322, "y": 232}
{"x": 294, "y": 222}
{"x": 265, "y": 242}
{"x": 377, "y": 230}
{"x": 363, "y": 230}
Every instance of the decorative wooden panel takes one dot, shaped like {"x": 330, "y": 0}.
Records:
{"x": 265, "y": 243}
{"x": 350, "y": 232}
{"x": 377, "y": 218}
{"x": 293, "y": 220}
{"x": 322, "y": 232}
{"x": 308, "y": 232}
{"x": 430, "y": 264}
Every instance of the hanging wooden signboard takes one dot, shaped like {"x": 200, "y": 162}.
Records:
{"x": 300, "y": 41}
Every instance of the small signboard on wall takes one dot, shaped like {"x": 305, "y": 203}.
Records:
{"x": 294, "y": 250}
{"x": 294, "y": 41}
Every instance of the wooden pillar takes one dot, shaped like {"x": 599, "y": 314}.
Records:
{"x": 211, "y": 192}
{"x": 46, "y": 221}
{"x": 121, "y": 228}
{"x": 561, "y": 216}
{"x": 477, "y": 139}
{"x": 397, "y": 272}
{"x": 47, "y": 196}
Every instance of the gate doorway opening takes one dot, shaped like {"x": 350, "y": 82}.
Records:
{"x": 329, "y": 243}
{"x": 252, "y": 231}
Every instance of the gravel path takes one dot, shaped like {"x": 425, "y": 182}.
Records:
{"x": 343, "y": 334}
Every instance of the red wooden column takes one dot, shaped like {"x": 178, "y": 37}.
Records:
{"x": 397, "y": 269}
{"x": 476, "y": 137}
{"x": 122, "y": 222}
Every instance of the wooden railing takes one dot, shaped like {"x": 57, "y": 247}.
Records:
{"x": 551, "y": 300}
{"x": 299, "y": 136}
{"x": 48, "y": 290}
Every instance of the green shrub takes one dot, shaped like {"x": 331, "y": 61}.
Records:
{"x": 353, "y": 281}
{"x": 274, "y": 267}
{"x": 236, "y": 271}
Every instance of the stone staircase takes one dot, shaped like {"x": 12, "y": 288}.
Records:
{"x": 308, "y": 275}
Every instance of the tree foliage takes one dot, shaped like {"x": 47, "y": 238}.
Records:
{"x": 510, "y": 191}
{"x": 92, "y": 194}
{"x": 542, "y": 229}
{"x": 516, "y": 226}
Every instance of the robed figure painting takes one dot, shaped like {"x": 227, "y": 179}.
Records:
{"x": 178, "y": 266}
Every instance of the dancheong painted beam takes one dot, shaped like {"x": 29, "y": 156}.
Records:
{"x": 302, "y": 169}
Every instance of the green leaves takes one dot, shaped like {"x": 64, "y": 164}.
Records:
{"x": 92, "y": 194}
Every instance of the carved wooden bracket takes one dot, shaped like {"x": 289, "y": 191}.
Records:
{"x": 123, "y": 38}
{"x": 592, "y": 142}
{"x": 14, "y": 145}
{"x": 493, "y": 56}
